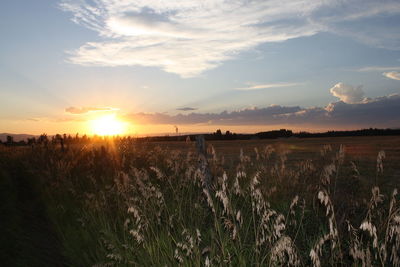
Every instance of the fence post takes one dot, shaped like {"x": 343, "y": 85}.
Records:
{"x": 203, "y": 163}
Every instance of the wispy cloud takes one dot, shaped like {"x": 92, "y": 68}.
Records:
{"x": 266, "y": 86}
{"x": 84, "y": 110}
{"x": 395, "y": 75}
{"x": 189, "y": 37}
{"x": 378, "y": 68}
{"x": 186, "y": 109}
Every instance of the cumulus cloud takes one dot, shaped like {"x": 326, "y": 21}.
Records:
{"x": 377, "y": 112}
{"x": 186, "y": 109}
{"x": 347, "y": 93}
{"x": 395, "y": 75}
{"x": 84, "y": 110}
{"x": 265, "y": 86}
{"x": 189, "y": 37}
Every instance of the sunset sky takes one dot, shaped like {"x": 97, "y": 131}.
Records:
{"x": 244, "y": 66}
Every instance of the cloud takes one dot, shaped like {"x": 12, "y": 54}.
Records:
{"x": 265, "y": 86}
{"x": 395, "y": 75}
{"x": 377, "y": 112}
{"x": 190, "y": 37}
{"x": 186, "y": 109}
{"x": 378, "y": 68}
{"x": 347, "y": 93}
{"x": 84, "y": 110}
{"x": 241, "y": 117}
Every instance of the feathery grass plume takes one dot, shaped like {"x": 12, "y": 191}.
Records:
{"x": 375, "y": 200}
{"x": 207, "y": 262}
{"x": 355, "y": 169}
{"x": 222, "y": 195}
{"x": 209, "y": 199}
{"x": 188, "y": 248}
{"x": 240, "y": 175}
{"x": 379, "y": 161}
{"x": 239, "y": 218}
{"x": 244, "y": 158}
{"x": 327, "y": 173}
{"x": 325, "y": 150}
{"x": 137, "y": 225}
{"x": 178, "y": 256}
{"x": 268, "y": 151}
{"x": 356, "y": 250}
{"x": 371, "y": 229}
{"x": 257, "y": 154}
{"x": 341, "y": 154}
{"x": 284, "y": 252}
{"x": 158, "y": 172}
{"x": 392, "y": 234}
{"x": 379, "y": 165}
{"x": 213, "y": 152}
{"x": 112, "y": 256}
{"x": 316, "y": 251}
{"x": 283, "y": 158}
{"x": 290, "y": 217}
{"x": 332, "y": 236}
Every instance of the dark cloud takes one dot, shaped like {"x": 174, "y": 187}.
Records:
{"x": 242, "y": 117}
{"x": 186, "y": 109}
{"x": 83, "y": 110}
{"x": 377, "y": 112}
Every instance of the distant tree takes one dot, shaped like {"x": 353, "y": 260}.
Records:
{"x": 60, "y": 139}
{"x": 31, "y": 141}
{"x": 10, "y": 140}
{"x": 22, "y": 143}
{"x": 43, "y": 139}
{"x": 228, "y": 135}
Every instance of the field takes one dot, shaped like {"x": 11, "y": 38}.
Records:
{"x": 281, "y": 202}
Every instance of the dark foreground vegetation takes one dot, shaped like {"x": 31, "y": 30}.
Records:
{"x": 120, "y": 202}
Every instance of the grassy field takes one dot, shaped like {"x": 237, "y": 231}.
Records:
{"x": 296, "y": 202}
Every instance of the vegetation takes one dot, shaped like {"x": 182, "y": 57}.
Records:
{"x": 217, "y": 135}
{"x": 119, "y": 202}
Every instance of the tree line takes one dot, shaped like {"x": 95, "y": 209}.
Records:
{"x": 65, "y": 139}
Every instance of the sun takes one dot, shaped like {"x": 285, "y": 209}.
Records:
{"x": 108, "y": 125}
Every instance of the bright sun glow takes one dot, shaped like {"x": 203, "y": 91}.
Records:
{"x": 107, "y": 125}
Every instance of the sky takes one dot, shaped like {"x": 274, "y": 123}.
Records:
{"x": 244, "y": 66}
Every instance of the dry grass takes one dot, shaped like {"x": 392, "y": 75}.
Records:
{"x": 291, "y": 202}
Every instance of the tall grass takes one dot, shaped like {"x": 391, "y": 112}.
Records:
{"x": 124, "y": 203}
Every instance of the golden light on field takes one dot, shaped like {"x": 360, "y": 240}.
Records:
{"x": 108, "y": 125}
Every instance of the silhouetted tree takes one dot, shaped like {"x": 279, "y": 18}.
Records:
{"x": 43, "y": 139}
{"x": 218, "y": 134}
{"x": 60, "y": 139}
{"x": 10, "y": 140}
